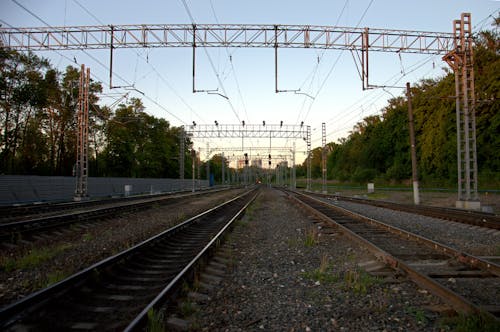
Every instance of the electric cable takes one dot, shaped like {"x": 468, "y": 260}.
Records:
{"x": 164, "y": 80}
{"x": 100, "y": 63}
{"x": 221, "y": 84}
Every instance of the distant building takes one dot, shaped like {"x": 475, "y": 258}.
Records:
{"x": 283, "y": 164}
{"x": 257, "y": 163}
{"x": 241, "y": 163}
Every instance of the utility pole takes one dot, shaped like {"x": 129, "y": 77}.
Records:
{"x": 294, "y": 174}
{"x": 82, "y": 144}
{"x": 223, "y": 164}
{"x": 193, "y": 160}
{"x": 323, "y": 155}
{"x": 208, "y": 165}
{"x": 182, "y": 139}
{"x": 416, "y": 195}
{"x": 309, "y": 157}
{"x": 198, "y": 159}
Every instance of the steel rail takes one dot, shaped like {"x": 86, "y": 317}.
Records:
{"x": 476, "y": 218}
{"x": 9, "y": 231}
{"x": 457, "y": 301}
{"x": 10, "y": 213}
{"x": 26, "y": 307}
{"x": 140, "y": 319}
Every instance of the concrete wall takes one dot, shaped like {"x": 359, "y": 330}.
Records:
{"x": 19, "y": 189}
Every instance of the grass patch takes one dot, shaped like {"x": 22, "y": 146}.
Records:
{"x": 359, "y": 281}
{"x": 470, "y": 323}
{"x": 241, "y": 223}
{"x": 323, "y": 274}
{"x": 377, "y": 195}
{"x": 155, "y": 321}
{"x": 87, "y": 237}
{"x": 187, "y": 308}
{"x": 312, "y": 237}
{"x": 34, "y": 258}
{"x": 55, "y": 277}
{"x": 419, "y": 315}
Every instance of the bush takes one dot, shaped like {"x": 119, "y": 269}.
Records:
{"x": 362, "y": 175}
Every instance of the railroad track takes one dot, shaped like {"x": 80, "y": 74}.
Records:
{"x": 469, "y": 284}
{"x": 11, "y": 232}
{"x": 14, "y": 213}
{"x": 476, "y": 218}
{"x": 118, "y": 292}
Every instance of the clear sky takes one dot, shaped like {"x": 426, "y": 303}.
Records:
{"x": 247, "y": 75}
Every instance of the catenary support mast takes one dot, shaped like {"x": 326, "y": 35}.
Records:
{"x": 82, "y": 142}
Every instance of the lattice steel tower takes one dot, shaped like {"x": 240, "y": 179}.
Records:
{"x": 462, "y": 62}
{"x": 82, "y": 141}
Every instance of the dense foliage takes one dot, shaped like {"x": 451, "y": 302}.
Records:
{"x": 38, "y": 123}
{"x": 378, "y": 147}
{"x": 38, "y": 106}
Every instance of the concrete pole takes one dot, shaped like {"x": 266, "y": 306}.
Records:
{"x": 416, "y": 196}
{"x": 223, "y": 174}
{"x": 193, "y": 156}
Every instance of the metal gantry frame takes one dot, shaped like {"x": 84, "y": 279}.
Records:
{"x": 224, "y": 35}
{"x": 278, "y": 154}
{"x": 456, "y": 46}
{"x": 255, "y": 131}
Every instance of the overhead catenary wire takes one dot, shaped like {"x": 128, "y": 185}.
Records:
{"x": 313, "y": 74}
{"x": 323, "y": 83}
{"x": 102, "y": 64}
{"x": 162, "y": 78}
{"x": 232, "y": 68}
{"x": 214, "y": 69}
{"x": 372, "y": 98}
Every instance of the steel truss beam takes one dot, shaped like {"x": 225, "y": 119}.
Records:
{"x": 248, "y": 131}
{"x": 250, "y": 150}
{"x": 224, "y": 35}
{"x": 257, "y": 131}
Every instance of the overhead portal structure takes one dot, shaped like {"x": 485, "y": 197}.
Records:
{"x": 271, "y": 155}
{"x": 456, "y": 48}
{"x": 263, "y": 131}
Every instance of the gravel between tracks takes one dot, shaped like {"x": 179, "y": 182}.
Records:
{"x": 470, "y": 239}
{"x": 277, "y": 283}
{"x": 28, "y": 267}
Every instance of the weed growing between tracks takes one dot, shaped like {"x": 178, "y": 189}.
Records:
{"x": 470, "y": 323}
{"x": 324, "y": 274}
{"x": 419, "y": 315}
{"x": 359, "y": 281}
{"x": 312, "y": 236}
{"x": 34, "y": 258}
{"x": 87, "y": 237}
{"x": 155, "y": 321}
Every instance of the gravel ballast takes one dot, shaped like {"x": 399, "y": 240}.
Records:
{"x": 282, "y": 282}
{"x": 37, "y": 263}
{"x": 473, "y": 240}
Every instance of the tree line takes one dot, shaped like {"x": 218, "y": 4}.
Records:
{"x": 38, "y": 124}
{"x": 378, "y": 147}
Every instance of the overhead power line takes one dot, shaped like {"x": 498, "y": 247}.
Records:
{"x": 100, "y": 63}
{"x": 221, "y": 84}
{"x": 165, "y": 81}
